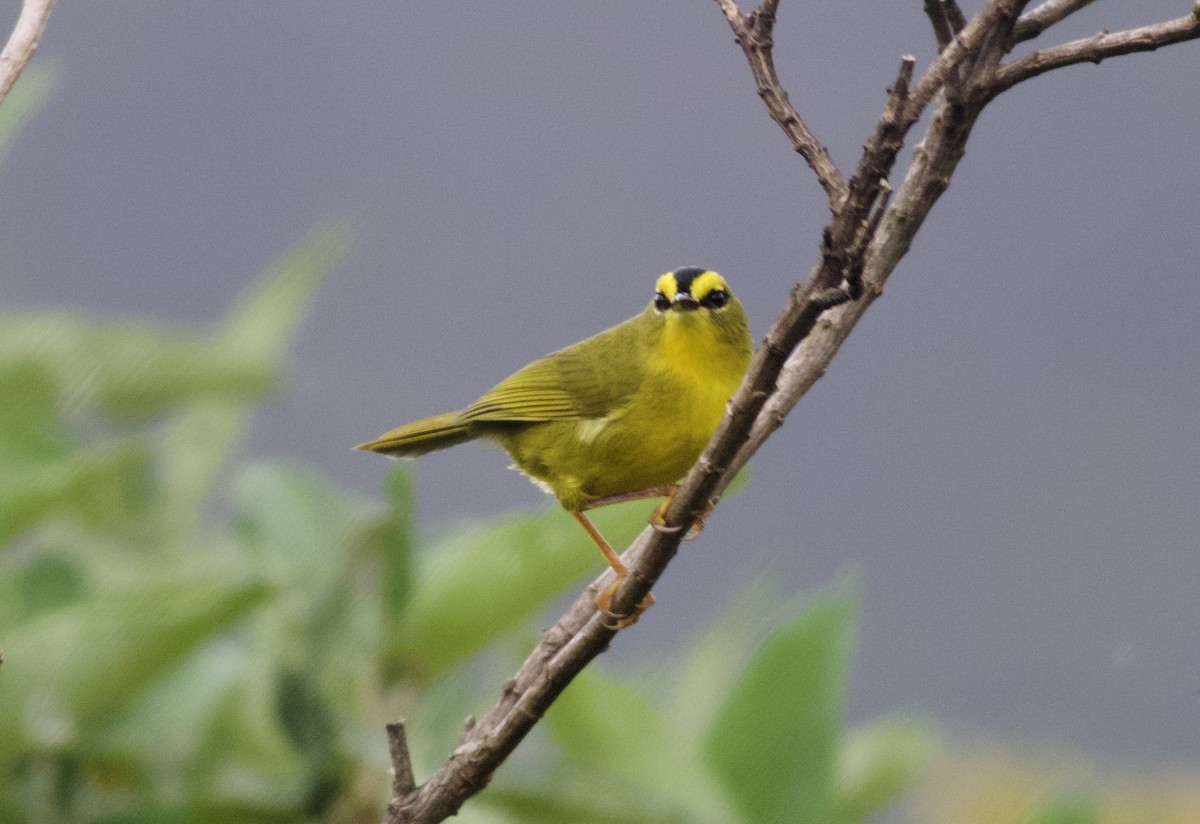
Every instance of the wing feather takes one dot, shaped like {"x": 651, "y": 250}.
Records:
{"x": 587, "y": 380}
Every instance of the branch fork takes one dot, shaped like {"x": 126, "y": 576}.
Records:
{"x": 872, "y": 227}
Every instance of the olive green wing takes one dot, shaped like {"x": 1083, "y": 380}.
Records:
{"x": 588, "y": 380}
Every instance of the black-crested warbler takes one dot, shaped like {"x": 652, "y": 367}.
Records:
{"x": 616, "y": 417}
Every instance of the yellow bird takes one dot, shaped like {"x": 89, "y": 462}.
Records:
{"x": 619, "y": 416}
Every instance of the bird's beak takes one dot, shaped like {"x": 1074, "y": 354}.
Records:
{"x": 684, "y": 300}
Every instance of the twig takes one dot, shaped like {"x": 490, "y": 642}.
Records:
{"x": 960, "y": 49}
{"x": 1096, "y": 48}
{"x": 753, "y": 33}
{"x": 1037, "y": 20}
{"x": 936, "y": 12}
{"x": 23, "y": 42}
{"x": 954, "y": 14}
{"x": 403, "y": 781}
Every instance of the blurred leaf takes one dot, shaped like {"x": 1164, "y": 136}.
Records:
{"x": 877, "y": 763}
{"x": 1070, "y": 809}
{"x": 129, "y": 367}
{"x": 43, "y": 474}
{"x": 532, "y": 807}
{"x": 608, "y": 725}
{"x": 613, "y": 727}
{"x": 186, "y": 700}
{"x": 246, "y": 760}
{"x": 36, "y": 585}
{"x": 773, "y": 744}
{"x": 264, "y": 320}
{"x": 31, "y": 430}
{"x": 395, "y": 552}
{"x": 255, "y": 337}
{"x": 33, "y": 88}
{"x": 713, "y": 663}
{"x": 294, "y": 522}
{"x": 480, "y": 581}
{"x": 136, "y": 366}
{"x": 309, "y": 723}
{"x": 88, "y": 660}
{"x": 300, "y": 531}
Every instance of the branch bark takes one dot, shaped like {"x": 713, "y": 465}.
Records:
{"x": 871, "y": 230}
{"x": 23, "y": 42}
{"x": 1037, "y": 20}
{"x": 753, "y": 33}
{"x": 1096, "y": 48}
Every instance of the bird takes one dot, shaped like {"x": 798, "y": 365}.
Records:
{"x": 619, "y": 416}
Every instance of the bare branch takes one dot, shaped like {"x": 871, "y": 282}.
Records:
{"x": 1096, "y": 48}
{"x": 947, "y": 20}
{"x": 936, "y": 13}
{"x": 1034, "y": 22}
{"x": 23, "y": 42}
{"x": 753, "y": 32}
{"x": 960, "y": 49}
{"x": 403, "y": 781}
{"x": 954, "y": 14}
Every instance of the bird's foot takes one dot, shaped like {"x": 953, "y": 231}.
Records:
{"x": 658, "y": 518}
{"x": 618, "y": 621}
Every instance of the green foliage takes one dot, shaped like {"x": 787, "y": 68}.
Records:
{"x": 724, "y": 740}
{"x": 1070, "y": 809}
{"x": 159, "y": 668}
{"x": 163, "y": 663}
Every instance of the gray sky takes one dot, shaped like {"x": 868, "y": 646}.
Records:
{"x": 1006, "y": 448}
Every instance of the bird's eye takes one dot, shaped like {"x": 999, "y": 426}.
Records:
{"x": 661, "y": 303}
{"x": 715, "y": 299}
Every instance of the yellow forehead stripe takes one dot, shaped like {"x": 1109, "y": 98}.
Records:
{"x": 701, "y": 285}
{"x": 707, "y": 282}
{"x": 667, "y": 286}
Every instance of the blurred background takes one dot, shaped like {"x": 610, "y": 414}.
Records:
{"x": 1006, "y": 451}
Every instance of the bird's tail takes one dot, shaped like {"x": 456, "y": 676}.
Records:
{"x": 419, "y": 437}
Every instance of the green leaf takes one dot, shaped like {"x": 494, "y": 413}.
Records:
{"x": 301, "y": 532}
{"x": 773, "y": 744}
{"x": 43, "y": 475}
{"x": 79, "y": 665}
{"x": 565, "y": 805}
{"x": 31, "y": 430}
{"x": 264, "y": 320}
{"x": 877, "y": 763}
{"x": 135, "y": 367}
{"x": 253, "y": 340}
{"x": 714, "y": 662}
{"x": 610, "y": 725}
{"x": 394, "y": 543}
{"x": 1069, "y": 809}
{"x": 481, "y": 581}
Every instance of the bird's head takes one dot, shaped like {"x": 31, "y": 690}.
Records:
{"x": 692, "y": 300}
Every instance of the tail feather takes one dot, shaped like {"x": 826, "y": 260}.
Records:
{"x": 417, "y": 438}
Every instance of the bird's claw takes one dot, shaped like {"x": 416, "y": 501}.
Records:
{"x": 658, "y": 519}
{"x": 619, "y": 622}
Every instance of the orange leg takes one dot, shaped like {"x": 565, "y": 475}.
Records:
{"x": 604, "y": 599}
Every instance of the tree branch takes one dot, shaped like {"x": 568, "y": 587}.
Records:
{"x": 942, "y": 34}
{"x": 1037, "y": 20}
{"x": 962, "y": 48}
{"x": 1096, "y": 48}
{"x": 870, "y": 233}
{"x": 23, "y": 42}
{"x": 753, "y": 32}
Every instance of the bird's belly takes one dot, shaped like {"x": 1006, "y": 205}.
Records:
{"x": 634, "y": 449}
